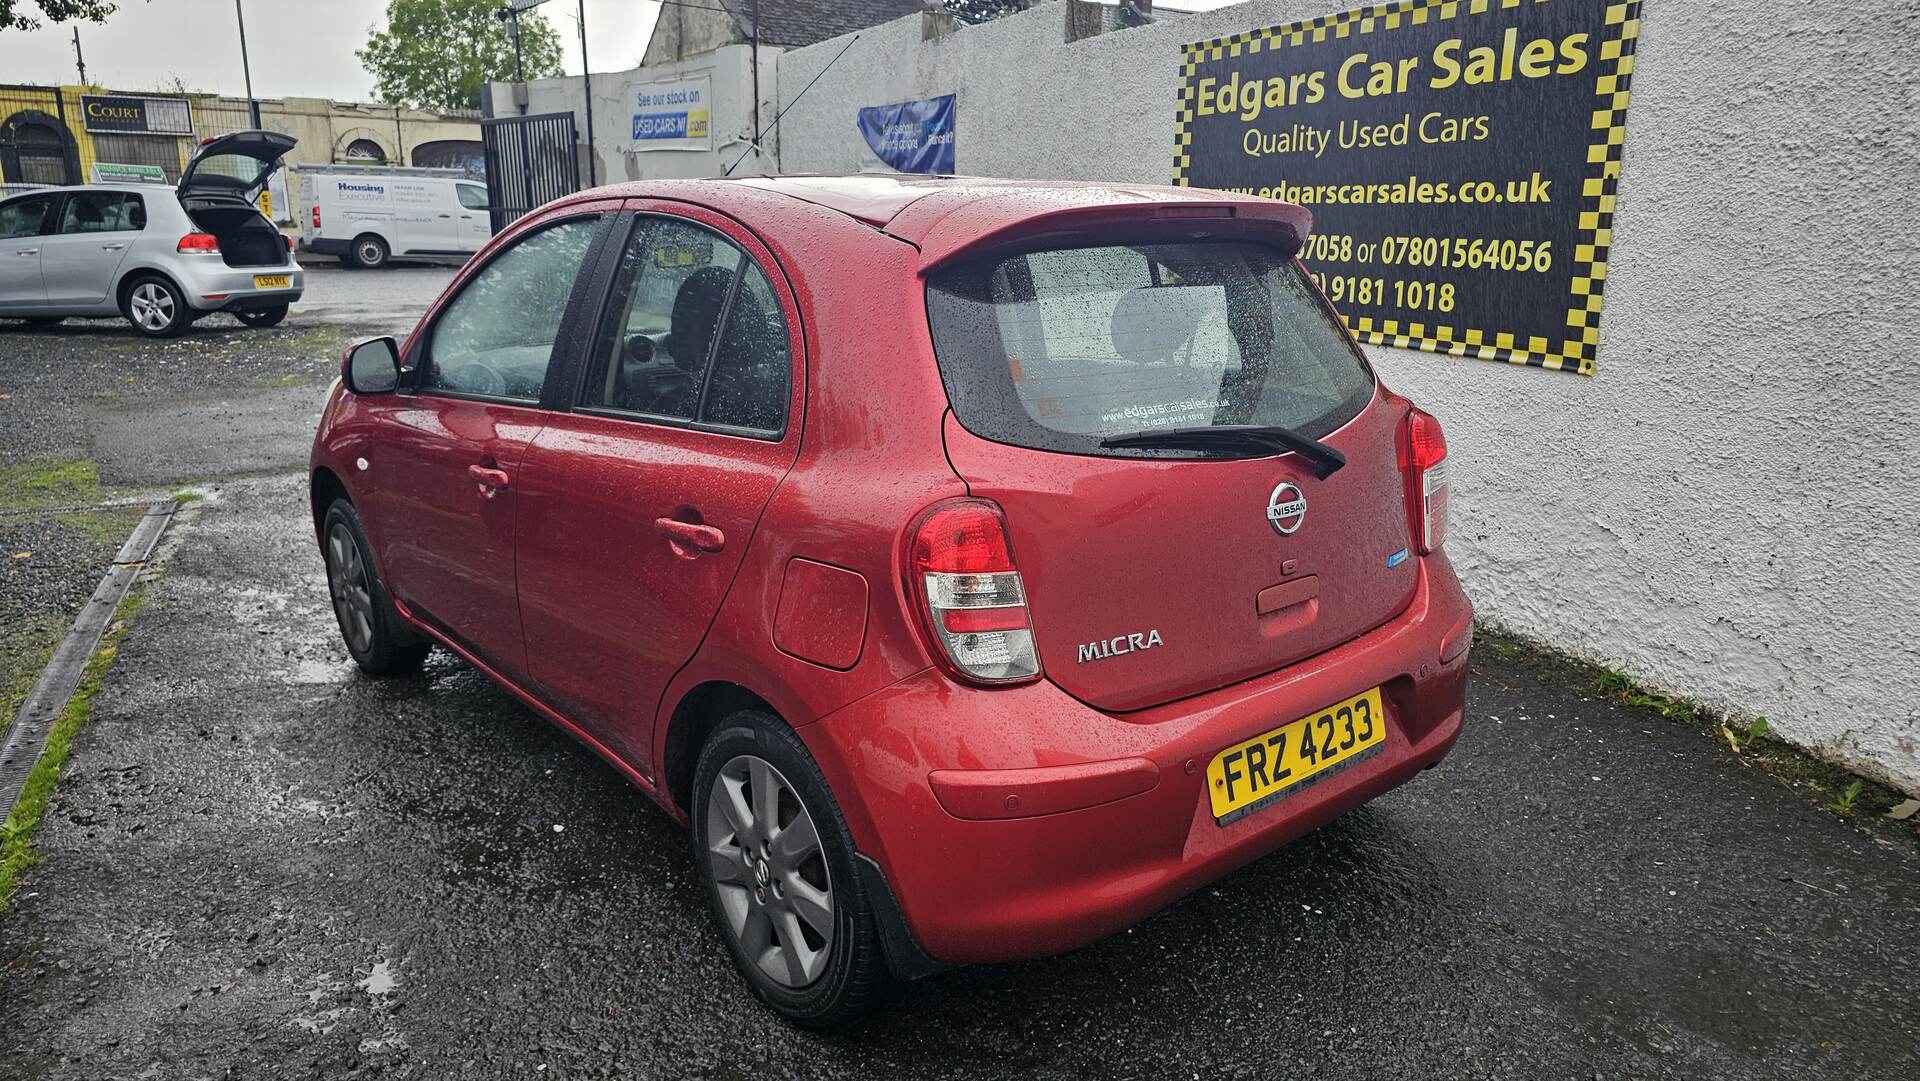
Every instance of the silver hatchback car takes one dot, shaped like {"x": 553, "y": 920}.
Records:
{"x": 161, "y": 257}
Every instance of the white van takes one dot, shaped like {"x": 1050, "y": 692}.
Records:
{"x": 365, "y": 215}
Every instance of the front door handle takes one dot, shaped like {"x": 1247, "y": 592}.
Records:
{"x": 27, "y": 251}
{"x": 111, "y": 247}
{"x": 491, "y": 481}
{"x": 689, "y": 539}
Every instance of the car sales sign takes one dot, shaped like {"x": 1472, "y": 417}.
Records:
{"x": 672, "y": 115}
{"x": 1460, "y": 158}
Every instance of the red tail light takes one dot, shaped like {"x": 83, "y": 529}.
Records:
{"x": 289, "y": 240}
{"x": 976, "y": 603}
{"x": 1424, "y": 457}
{"x": 316, "y": 219}
{"x": 198, "y": 242}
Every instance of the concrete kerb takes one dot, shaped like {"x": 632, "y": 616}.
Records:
{"x": 27, "y": 733}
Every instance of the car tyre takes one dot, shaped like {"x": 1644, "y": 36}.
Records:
{"x": 369, "y": 252}
{"x": 262, "y": 317}
{"x": 156, "y": 307}
{"x": 374, "y": 633}
{"x": 777, "y": 862}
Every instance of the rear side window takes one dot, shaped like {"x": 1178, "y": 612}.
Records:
{"x": 1059, "y": 349}
{"x": 103, "y": 212}
{"x": 471, "y": 197}
{"x": 496, "y": 337}
{"x": 22, "y": 217}
{"x": 696, "y": 333}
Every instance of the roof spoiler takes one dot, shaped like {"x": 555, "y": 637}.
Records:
{"x": 958, "y": 236}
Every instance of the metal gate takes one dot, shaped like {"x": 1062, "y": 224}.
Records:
{"x": 531, "y": 160}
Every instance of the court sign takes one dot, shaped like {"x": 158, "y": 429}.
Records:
{"x": 125, "y": 114}
{"x": 1460, "y": 158}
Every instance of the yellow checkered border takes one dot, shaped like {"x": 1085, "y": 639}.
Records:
{"x": 1576, "y": 351}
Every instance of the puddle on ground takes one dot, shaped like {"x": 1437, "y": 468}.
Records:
{"x": 381, "y": 980}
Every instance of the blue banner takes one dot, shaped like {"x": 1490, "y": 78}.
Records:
{"x": 912, "y": 136}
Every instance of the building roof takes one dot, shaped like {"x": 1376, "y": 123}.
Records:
{"x": 794, "y": 23}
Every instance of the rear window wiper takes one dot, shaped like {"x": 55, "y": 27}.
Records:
{"x": 1267, "y": 437}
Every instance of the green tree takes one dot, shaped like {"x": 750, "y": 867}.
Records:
{"x": 13, "y": 15}
{"x": 979, "y": 11}
{"x": 439, "y": 54}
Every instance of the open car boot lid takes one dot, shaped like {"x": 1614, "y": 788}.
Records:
{"x": 235, "y": 165}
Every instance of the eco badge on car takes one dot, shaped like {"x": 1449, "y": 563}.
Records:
{"x": 1286, "y": 508}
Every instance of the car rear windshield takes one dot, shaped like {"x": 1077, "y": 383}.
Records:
{"x": 239, "y": 171}
{"x": 1061, "y": 348}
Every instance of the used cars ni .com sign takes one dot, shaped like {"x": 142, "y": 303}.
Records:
{"x": 1459, "y": 157}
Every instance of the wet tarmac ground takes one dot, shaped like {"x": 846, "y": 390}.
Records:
{"x": 385, "y": 301}
{"x": 261, "y": 864}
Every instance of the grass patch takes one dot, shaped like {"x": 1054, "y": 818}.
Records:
{"x": 68, "y": 488}
{"x": 16, "y": 834}
{"x": 1825, "y": 784}
{"x": 54, "y": 482}
{"x": 325, "y": 338}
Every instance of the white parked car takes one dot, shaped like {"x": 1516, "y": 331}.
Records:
{"x": 161, "y": 257}
{"x": 366, "y": 215}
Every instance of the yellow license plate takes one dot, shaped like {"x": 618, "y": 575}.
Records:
{"x": 1249, "y": 775}
{"x": 272, "y": 281}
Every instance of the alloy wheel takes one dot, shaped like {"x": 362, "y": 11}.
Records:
{"x": 765, "y": 859}
{"x": 347, "y": 582}
{"x": 152, "y": 306}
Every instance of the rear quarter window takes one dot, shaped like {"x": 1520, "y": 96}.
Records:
{"x": 1059, "y": 349}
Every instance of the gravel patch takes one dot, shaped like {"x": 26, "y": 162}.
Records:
{"x": 52, "y": 382}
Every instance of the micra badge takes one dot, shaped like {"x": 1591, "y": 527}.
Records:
{"x": 1115, "y": 646}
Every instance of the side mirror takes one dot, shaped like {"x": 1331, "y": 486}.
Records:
{"x": 371, "y": 366}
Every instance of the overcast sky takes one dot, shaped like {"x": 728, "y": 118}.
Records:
{"x": 298, "y": 48}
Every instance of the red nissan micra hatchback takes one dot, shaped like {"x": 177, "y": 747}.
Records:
{"x": 976, "y": 566}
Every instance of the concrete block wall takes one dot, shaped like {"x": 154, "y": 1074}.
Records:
{"x": 1730, "y": 508}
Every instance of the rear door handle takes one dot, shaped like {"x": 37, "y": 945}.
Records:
{"x": 111, "y": 247}
{"x": 27, "y": 251}
{"x": 446, "y": 215}
{"x": 689, "y": 539}
{"x": 491, "y": 481}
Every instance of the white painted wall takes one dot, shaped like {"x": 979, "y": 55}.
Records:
{"x": 1730, "y": 508}
{"x": 731, "y": 70}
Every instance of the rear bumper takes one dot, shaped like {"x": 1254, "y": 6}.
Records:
{"x": 233, "y": 288}
{"x": 213, "y": 286}
{"x": 1114, "y": 820}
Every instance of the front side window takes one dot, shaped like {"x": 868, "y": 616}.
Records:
{"x": 696, "y": 333}
{"x": 472, "y": 197}
{"x": 22, "y": 217}
{"x": 103, "y": 212}
{"x": 1059, "y": 349}
{"x": 496, "y": 337}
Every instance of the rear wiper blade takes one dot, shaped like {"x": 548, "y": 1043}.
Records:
{"x": 1273, "y": 437}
